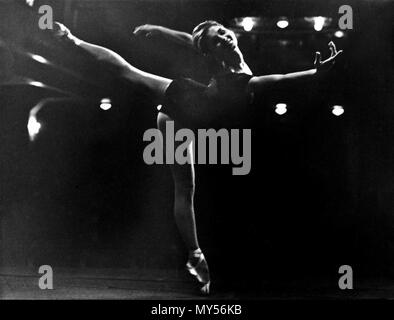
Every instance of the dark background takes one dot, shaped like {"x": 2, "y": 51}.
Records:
{"x": 321, "y": 190}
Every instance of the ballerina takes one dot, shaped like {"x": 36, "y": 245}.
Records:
{"x": 225, "y": 100}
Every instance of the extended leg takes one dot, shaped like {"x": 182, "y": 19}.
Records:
{"x": 155, "y": 84}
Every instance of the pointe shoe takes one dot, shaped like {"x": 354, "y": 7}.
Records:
{"x": 197, "y": 266}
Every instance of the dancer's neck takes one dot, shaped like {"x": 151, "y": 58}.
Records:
{"x": 236, "y": 64}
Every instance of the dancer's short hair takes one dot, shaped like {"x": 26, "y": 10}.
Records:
{"x": 199, "y": 35}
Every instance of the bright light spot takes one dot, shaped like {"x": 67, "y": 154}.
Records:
{"x": 319, "y": 23}
{"x": 284, "y": 42}
{"x": 105, "y": 104}
{"x": 337, "y": 110}
{"x": 248, "y": 24}
{"x": 30, "y": 3}
{"x": 159, "y": 107}
{"x": 39, "y": 59}
{"x": 283, "y": 23}
{"x": 339, "y": 34}
{"x": 37, "y": 84}
{"x": 281, "y": 108}
{"x": 33, "y": 127}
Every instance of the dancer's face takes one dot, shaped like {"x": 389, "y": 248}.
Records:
{"x": 221, "y": 42}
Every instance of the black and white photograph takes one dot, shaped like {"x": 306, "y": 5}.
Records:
{"x": 196, "y": 151}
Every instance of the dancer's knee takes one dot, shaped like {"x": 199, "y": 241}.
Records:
{"x": 183, "y": 205}
{"x": 184, "y": 190}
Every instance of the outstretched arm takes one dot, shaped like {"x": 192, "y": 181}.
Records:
{"x": 179, "y": 37}
{"x": 258, "y": 84}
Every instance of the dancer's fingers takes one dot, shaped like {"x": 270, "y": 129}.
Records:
{"x": 144, "y": 30}
{"x": 331, "y": 60}
{"x": 332, "y": 53}
{"x": 333, "y": 48}
{"x": 317, "y": 61}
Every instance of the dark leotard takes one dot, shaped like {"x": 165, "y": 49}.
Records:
{"x": 224, "y": 102}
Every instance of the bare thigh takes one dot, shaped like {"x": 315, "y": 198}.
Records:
{"x": 183, "y": 175}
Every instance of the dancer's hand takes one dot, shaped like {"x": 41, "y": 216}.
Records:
{"x": 147, "y": 30}
{"x": 60, "y": 30}
{"x": 63, "y": 33}
{"x": 322, "y": 66}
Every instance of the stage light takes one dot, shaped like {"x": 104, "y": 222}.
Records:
{"x": 248, "y": 24}
{"x": 30, "y": 3}
{"x": 337, "y": 110}
{"x": 159, "y": 107}
{"x": 284, "y": 42}
{"x": 33, "y": 127}
{"x": 281, "y": 108}
{"x": 39, "y": 59}
{"x": 37, "y": 84}
{"x": 282, "y": 23}
{"x": 339, "y": 34}
{"x": 105, "y": 104}
{"x": 318, "y": 23}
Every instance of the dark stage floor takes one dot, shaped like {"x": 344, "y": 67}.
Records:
{"x": 124, "y": 284}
